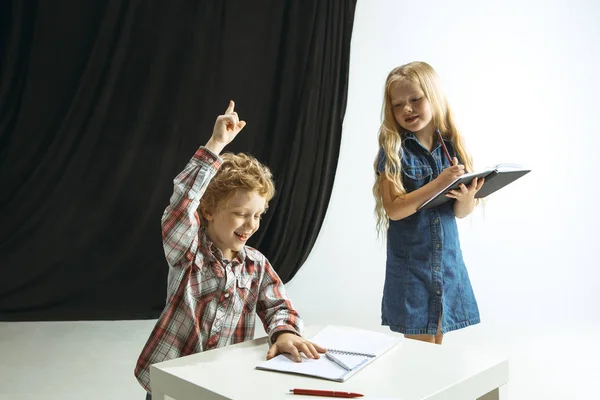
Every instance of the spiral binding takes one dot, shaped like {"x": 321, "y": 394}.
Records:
{"x": 350, "y": 353}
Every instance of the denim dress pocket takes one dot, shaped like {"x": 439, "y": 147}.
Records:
{"x": 416, "y": 176}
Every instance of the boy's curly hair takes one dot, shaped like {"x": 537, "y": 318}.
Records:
{"x": 238, "y": 172}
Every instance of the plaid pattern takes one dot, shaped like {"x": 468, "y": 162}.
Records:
{"x": 210, "y": 301}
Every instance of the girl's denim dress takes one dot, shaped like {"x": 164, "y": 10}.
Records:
{"x": 425, "y": 273}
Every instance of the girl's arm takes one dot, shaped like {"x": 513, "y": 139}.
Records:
{"x": 465, "y": 198}
{"x": 401, "y": 206}
{"x": 463, "y": 208}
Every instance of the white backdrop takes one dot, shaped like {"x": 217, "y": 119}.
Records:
{"x": 522, "y": 78}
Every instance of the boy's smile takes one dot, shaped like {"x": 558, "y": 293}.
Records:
{"x": 234, "y": 222}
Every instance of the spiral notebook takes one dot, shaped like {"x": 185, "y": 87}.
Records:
{"x": 349, "y": 350}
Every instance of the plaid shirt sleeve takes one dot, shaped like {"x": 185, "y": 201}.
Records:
{"x": 174, "y": 334}
{"x": 274, "y": 308}
{"x": 180, "y": 221}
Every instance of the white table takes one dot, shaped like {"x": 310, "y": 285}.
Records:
{"x": 412, "y": 370}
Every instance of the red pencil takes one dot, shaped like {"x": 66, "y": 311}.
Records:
{"x": 439, "y": 135}
{"x": 326, "y": 393}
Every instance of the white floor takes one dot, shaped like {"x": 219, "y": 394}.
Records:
{"x": 95, "y": 360}
{"x": 71, "y": 360}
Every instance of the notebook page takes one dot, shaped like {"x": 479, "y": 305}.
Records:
{"x": 322, "y": 368}
{"x": 349, "y": 361}
{"x": 354, "y": 340}
{"x": 509, "y": 167}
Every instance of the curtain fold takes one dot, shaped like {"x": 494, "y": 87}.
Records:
{"x": 103, "y": 103}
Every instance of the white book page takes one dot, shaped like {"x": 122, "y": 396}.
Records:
{"x": 349, "y": 361}
{"x": 323, "y": 367}
{"x": 509, "y": 167}
{"x": 354, "y": 340}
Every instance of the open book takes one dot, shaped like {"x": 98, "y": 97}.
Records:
{"x": 349, "y": 351}
{"x": 495, "y": 178}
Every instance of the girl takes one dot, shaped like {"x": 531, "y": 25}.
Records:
{"x": 427, "y": 291}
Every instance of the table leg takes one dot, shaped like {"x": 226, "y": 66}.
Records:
{"x": 499, "y": 393}
{"x": 159, "y": 396}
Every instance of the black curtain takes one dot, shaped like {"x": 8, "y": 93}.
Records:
{"x": 103, "y": 102}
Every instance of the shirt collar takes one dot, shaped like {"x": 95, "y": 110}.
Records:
{"x": 408, "y": 137}
{"x": 209, "y": 249}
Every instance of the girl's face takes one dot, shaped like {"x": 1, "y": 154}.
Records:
{"x": 411, "y": 108}
{"x": 232, "y": 224}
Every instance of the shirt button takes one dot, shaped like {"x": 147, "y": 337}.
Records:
{"x": 438, "y": 292}
{"x": 226, "y": 295}
{"x": 437, "y": 245}
{"x": 435, "y": 221}
{"x": 437, "y": 267}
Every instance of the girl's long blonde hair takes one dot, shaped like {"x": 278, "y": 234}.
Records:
{"x": 391, "y": 134}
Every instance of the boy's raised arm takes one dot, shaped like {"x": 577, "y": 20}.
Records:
{"x": 180, "y": 221}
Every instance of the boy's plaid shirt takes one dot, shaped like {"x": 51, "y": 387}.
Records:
{"x": 210, "y": 303}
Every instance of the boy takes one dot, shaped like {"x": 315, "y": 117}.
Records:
{"x": 215, "y": 281}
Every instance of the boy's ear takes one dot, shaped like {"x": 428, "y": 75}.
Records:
{"x": 207, "y": 214}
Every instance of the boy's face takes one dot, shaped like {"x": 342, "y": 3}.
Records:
{"x": 411, "y": 108}
{"x": 232, "y": 223}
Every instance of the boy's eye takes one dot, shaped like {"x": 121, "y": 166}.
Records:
{"x": 416, "y": 99}
{"x": 239, "y": 214}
